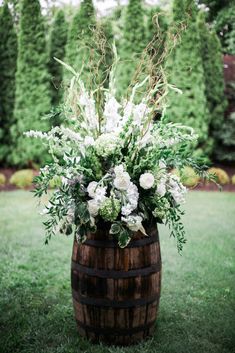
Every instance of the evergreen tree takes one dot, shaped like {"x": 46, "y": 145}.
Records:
{"x": 78, "y": 49}
{"x": 8, "y": 57}
{"x": 185, "y": 70}
{"x": 57, "y": 42}
{"x": 32, "y": 84}
{"x": 133, "y": 42}
{"x": 214, "y": 77}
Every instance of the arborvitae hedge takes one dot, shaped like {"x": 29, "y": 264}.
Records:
{"x": 132, "y": 45}
{"x": 214, "y": 76}
{"x": 32, "y": 85}
{"x": 80, "y": 35}
{"x": 8, "y": 57}
{"x": 57, "y": 42}
{"x": 185, "y": 71}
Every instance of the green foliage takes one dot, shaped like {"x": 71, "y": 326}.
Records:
{"x": 57, "y": 42}
{"x": 132, "y": 44}
{"x": 225, "y": 28}
{"x": 185, "y": 70}
{"x": 2, "y": 179}
{"x": 220, "y": 174}
{"x": 78, "y": 49}
{"x": 8, "y": 57}
{"x": 225, "y": 143}
{"x": 32, "y": 85}
{"x": 22, "y": 178}
{"x": 214, "y": 77}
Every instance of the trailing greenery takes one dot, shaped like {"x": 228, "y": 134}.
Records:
{"x": 225, "y": 28}
{"x": 57, "y": 43}
{"x": 32, "y": 85}
{"x": 8, "y": 58}
{"x": 185, "y": 70}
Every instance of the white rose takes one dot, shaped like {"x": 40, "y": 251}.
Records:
{"x": 122, "y": 181}
{"x": 91, "y": 188}
{"x": 146, "y": 180}
{"x": 93, "y": 207}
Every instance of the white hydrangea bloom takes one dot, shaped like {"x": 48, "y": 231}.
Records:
{"x": 91, "y": 188}
{"x": 93, "y": 207}
{"x": 132, "y": 196}
{"x": 177, "y": 189}
{"x": 146, "y": 181}
{"x": 134, "y": 223}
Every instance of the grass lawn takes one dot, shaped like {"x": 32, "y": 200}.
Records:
{"x": 197, "y": 299}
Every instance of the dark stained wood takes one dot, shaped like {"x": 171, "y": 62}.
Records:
{"x": 116, "y": 291}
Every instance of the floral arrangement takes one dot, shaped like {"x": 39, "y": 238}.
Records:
{"x": 111, "y": 162}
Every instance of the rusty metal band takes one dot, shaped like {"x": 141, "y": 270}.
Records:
{"x": 115, "y": 331}
{"x": 114, "y": 244}
{"x": 108, "y": 303}
{"x": 145, "y": 271}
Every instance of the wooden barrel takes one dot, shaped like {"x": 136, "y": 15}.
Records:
{"x": 116, "y": 291}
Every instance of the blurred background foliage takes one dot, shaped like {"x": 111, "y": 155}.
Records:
{"x": 32, "y": 82}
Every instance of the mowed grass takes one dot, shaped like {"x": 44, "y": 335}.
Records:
{"x": 197, "y": 300}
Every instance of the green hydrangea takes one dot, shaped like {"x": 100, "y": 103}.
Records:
{"x": 110, "y": 209}
{"x": 107, "y": 145}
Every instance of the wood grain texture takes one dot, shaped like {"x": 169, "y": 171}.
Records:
{"x": 116, "y": 291}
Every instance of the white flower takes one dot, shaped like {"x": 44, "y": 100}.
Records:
{"x": 89, "y": 141}
{"x": 72, "y": 135}
{"x": 132, "y": 196}
{"x": 177, "y": 189}
{"x": 146, "y": 180}
{"x": 89, "y": 109}
{"x": 119, "y": 169}
{"x": 111, "y": 114}
{"x": 91, "y": 188}
{"x": 127, "y": 209}
{"x": 107, "y": 144}
{"x": 93, "y": 207}
{"x": 161, "y": 187}
{"x": 122, "y": 181}
{"x": 140, "y": 111}
{"x": 36, "y": 134}
{"x": 100, "y": 194}
{"x": 134, "y": 223}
